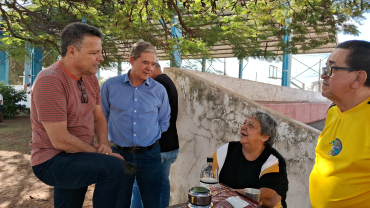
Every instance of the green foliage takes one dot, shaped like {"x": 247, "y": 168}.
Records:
{"x": 11, "y": 98}
{"x": 250, "y": 27}
{"x": 196, "y": 65}
{"x": 16, "y": 71}
{"x": 102, "y": 80}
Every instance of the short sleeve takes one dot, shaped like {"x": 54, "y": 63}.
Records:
{"x": 49, "y": 98}
{"x": 278, "y": 181}
{"x": 96, "y": 86}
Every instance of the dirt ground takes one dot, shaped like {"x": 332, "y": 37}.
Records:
{"x": 19, "y": 187}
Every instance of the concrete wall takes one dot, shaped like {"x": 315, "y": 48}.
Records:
{"x": 258, "y": 91}
{"x": 210, "y": 116}
{"x": 303, "y": 112}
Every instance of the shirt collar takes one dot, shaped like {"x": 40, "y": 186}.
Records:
{"x": 126, "y": 79}
{"x": 68, "y": 72}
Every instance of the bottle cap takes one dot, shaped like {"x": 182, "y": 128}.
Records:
{"x": 209, "y": 159}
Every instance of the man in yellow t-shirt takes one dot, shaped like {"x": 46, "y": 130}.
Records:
{"x": 341, "y": 174}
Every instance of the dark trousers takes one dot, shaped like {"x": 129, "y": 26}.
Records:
{"x": 148, "y": 177}
{"x": 72, "y": 173}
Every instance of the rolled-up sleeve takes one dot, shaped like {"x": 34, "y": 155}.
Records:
{"x": 164, "y": 113}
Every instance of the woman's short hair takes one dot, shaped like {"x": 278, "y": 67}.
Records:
{"x": 268, "y": 125}
{"x": 142, "y": 47}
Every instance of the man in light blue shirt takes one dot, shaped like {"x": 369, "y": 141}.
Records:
{"x": 137, "y": 111}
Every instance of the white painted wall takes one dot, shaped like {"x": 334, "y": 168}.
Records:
{"x": 258, "y": 91}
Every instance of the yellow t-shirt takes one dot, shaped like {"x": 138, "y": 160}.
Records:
{"x": 341, "y": 175}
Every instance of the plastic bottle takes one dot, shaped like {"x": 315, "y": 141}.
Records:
{"x": 209, "y": 174}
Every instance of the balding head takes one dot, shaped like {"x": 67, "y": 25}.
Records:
{"x": 157, "y": 71}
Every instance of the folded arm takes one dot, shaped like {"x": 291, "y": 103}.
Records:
{"x": 100, "y": 126}
{"x": 61, "y": 139}
{"x": 269, "y": 197}
{"x": 101, "y": 132}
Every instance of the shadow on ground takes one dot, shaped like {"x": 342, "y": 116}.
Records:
{"x": 19, "y": 187}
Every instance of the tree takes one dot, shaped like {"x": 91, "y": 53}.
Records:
{"x": 251, "y": 27}
{"x": 16, "y": 71}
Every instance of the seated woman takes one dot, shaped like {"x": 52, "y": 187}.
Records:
{"x": 253, "y": 163}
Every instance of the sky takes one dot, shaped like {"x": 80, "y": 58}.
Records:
{"x": 304, "y": 68}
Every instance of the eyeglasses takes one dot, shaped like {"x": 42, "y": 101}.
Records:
{"x": 328, "y": 70}
{"x": 81, "y": 85}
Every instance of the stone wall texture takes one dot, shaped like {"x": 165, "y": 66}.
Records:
{"x": 210, "y": 116}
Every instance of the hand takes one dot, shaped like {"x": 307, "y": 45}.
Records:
{"x": 70, "y": 152}
{"x": 103, "y": 149}
{"x": 118, "y": 156}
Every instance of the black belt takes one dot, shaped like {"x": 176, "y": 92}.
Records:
{"x": 136, "y": 150}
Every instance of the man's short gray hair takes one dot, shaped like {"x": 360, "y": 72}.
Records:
{"x": 268, "y": 125}
{"x": 142, "y": 47}
{"x": 157, "y": 65}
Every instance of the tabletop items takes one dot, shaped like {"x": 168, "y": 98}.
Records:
{"x": 199, "y": 197}
{"x": 225, "y": 197}
{"x": 252, "y": 192}
{"x": 209, "y": 173}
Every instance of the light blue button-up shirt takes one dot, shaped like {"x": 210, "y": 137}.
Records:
{"x": 136, "y": 116}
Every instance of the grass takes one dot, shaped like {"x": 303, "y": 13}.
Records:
{"x": 15, "y": 134}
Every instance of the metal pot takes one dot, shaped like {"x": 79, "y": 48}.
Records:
{"x": 199, "y": 196}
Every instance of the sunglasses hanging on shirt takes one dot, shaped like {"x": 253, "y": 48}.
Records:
{"x": 81, "y": 85}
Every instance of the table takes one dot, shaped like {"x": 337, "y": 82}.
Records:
{"x": 220, "y": 194}
{"x": 177, "y": 205}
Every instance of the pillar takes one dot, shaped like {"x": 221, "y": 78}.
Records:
{"x": 286, "y": 70}
{"x": 36, "y": 63}
{"x": 176, "y": 33}
{"x": 4, "y": 65}
{"x": 27, "y": 67}
{"x": 241, "y": 68}
{"x": 204, "y": 61}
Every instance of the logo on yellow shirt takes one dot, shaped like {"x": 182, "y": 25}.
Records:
{"x": 337, "y": 147}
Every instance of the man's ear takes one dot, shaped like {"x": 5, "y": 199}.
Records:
{"x": 71, "y": 51}
{"x": 132, "y": 59}
{"x": 359, "y": 80}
